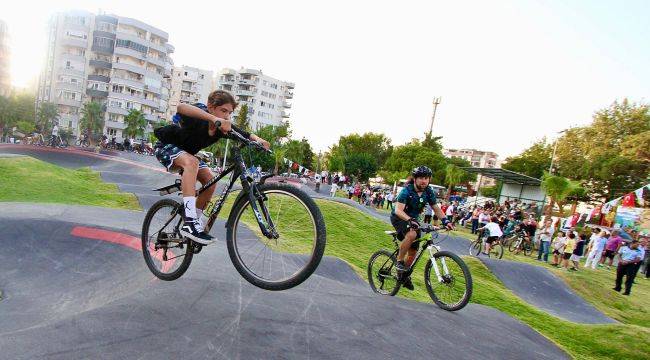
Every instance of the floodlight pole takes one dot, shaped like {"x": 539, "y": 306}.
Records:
{"x": 436, "y": 101}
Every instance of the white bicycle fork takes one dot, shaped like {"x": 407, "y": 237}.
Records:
{"x": 434, "y": 262}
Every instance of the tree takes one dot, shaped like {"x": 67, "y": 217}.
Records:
{"x": 307, "y": 155}
{"x": 242, "y": 118}
{"x": 376, "y": 145}
{"x": 637, "y": 147}
{"x": 92, "y": 120}
{"x": 453, "y": 176}
{"x": 533, "y": 161}
{"x": 135, "y": 123}
{"x": 404, "y": 158}
{"x": 46, "y": 115}
{"x": 294, "y": 151}
{"x": 558, "y": 188}
{"x": 490, "y": 191}
{"x": 361, "y": 165}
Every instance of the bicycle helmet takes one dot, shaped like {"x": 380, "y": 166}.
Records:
{"x": 421, "y": 171}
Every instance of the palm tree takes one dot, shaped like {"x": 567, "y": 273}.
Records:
{"x": 453, "y": 176}
{"x": 278, "y": 154}
{"x": 46, "y": 114}
{"x": 558, "y": 188}
{"x": 135, "y": 123}
{"x": 92, "y": 120}
{"x": 242, "y": 118}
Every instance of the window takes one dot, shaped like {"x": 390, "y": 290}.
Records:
{"x": 111, "y": 132}
{"x": 103, "y": 42}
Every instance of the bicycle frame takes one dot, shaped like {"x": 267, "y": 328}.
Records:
{"x": 429, "y": 246}
{"x": 249, "y": 186}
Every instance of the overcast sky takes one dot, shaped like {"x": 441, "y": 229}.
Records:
{"x": 508, "y": 72}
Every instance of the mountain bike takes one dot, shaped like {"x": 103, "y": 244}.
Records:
{"x": 477, "y": 247}
{"x": 446, "y": 276}
{"x": 521, "y": 243}
{"x": 275, "y": 232}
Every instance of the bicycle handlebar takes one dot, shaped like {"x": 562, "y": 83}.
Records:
{"x": 249, "y": 142}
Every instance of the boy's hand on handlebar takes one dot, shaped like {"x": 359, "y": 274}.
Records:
{"x": 224, "y": 125}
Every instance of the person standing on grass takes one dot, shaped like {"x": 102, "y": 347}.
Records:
{"x": 569, "y": 246}
{"x": 628, "y": 257}
{"x": 428, "y": 214}
{"x": 475, "y": 214}
{"x": 578, "y": 251}
{"x": 545, "y": 236}
{"x": 611, "y": 248}
{"x": 389, "y": 200}
{"x": 643, "y": 243}
{"x": 333, "y": 190}
{"x": 595, "y": 249}
{"x": 558, "y": 248}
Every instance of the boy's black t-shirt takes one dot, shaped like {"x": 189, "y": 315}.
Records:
{"x": 192, "y": 134}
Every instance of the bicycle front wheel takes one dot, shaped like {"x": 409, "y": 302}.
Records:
{"x": 382, "y": 274}
{"x": 514, "y": 244}
{"x": 475, "y": 248}
{"x": 288, "y": 260}
{"x": 528, "y": 248}
{"x": 496, "y": 251}
{"x": 448, "y": 281}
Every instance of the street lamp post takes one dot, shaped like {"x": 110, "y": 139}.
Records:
{"x": 550, "y": 169}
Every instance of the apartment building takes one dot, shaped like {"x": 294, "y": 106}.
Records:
{"x": 120, "y": 62}
{"x": 5, "y": 80}
{"x": 477, "y": 158}
{"x": 267, "y": 97}
{"x": 189, "y": 85}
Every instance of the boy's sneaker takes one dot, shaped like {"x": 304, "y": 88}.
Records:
{"x": 401, "y": 269}
{"x": 191, "y": 230}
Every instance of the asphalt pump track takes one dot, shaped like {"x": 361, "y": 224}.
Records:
{"x": 75, "y": 286}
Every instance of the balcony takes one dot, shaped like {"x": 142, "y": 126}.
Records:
{"x": 101, "y": 49}
{"x": 97, "y": 93}
{"x": 74, "y": 42}
{"x": 133, "y": 68}
{"x": 153, "y": 89}
{"x": 285, "y": 114}
{"x": 68, "y": 102}
{"x": 290, "y": 85}
{"x": 286, "y": 105}
{"x": 73, "y": 57}
{"x": 250, "y": 71}
{"x": 101, "y": 64}
{"x": 288, "y": 95}
{"x": 68, "y": 85}
{"x": 138, "y": 84}
{"x": 245, "y": 93}
{"x": 104, "y": 34}
{"x": 170, "y": 48}
{"x": 116, "y": 110}
{"x": 151, "y": 117}
{"x": 128, "y": 97}
{"x": 115, "y": 124}
{"x": 162, "y": 48}
{"x": 228, "y": 80}
{"x": 250, "y": 82}
{"x": 119, "y": 50}
{"x": 100, "y": 78}
{"x": 71, "y": 71}
{"x": 106, "y": 18}
{"x": 156, "y": 61}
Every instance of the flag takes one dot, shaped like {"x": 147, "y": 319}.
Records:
{"x": 639, "y": 196}
{"x": 628, "y": 200}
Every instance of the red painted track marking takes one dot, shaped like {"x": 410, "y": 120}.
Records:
{"x": 117, "y": 238}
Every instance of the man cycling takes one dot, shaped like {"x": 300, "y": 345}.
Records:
{"x": 410, "y": 203}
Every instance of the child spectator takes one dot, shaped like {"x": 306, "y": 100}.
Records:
{"x": 569, "y": 246}
{"x": 578, "y": 251}
{"x": 558, "y": 248}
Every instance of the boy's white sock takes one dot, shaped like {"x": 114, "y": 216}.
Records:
{"x": 189, "y": 204}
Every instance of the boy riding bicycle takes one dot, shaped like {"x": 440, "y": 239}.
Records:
{"x": 199, "y": 127}
{"x": 410, "y": 203}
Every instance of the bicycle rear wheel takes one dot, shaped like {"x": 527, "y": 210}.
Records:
{"x": 496, "y": 251}
{"x": 282, "y": 263}
{"x": 528, "y": 249}
{"x": 166, "y": 252}
{"x": 382, "y": 274}
{"x": 453, "y": 288}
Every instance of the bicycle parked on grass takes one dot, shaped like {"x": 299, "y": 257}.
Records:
{"x": 446, "y": 276}
{"x": 275, "y": 233}
{"x": 57, "y": 141}
{"x": 477, "y": 247}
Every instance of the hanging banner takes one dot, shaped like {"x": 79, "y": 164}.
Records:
{"x": 639, "y": 196}
{"x": 629, "y": 200}
{"x": 629, "y": 216}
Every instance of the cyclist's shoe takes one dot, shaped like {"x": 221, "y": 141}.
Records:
{"x": 190, "y": 230}
{"x": 408, "y": 284}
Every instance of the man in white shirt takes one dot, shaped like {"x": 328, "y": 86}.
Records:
{"x": 333, "y": 190}
{"x": 450, "y": 212}
{"x": 55, "y": 134}
{"x": 494, "y": 233}
{"x": 595, "y": 248}
{"x": 545, "y": 237}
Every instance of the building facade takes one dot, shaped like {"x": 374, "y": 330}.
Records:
{"x": 5, "y": 80}
{"x": 189, "y": 85}
{"x": 477, "y": 158}
{"x": 267, "y": 98}
{"x": 119, "y": 62}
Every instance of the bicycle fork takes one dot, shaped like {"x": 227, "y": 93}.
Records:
{"x": 434, "y": 263}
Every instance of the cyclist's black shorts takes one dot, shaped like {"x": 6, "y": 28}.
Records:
{"x": 402, "y": 227}
{"x": 491, "y": 239}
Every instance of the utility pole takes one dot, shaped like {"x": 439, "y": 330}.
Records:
{"x": 550, "y": 169}
{"x": 436, "y": 101}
